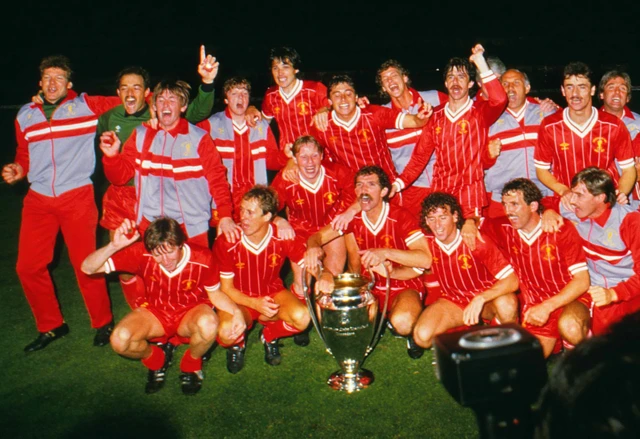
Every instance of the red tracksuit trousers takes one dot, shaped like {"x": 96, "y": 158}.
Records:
{"x": 75, "y": 214}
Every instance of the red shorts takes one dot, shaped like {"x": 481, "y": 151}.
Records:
{"x": 549, "y": 329}
{"x": 396, "y": 287}
{"x": 118, "y": 204}
{"x": 603, "y": 318}
{"x": 170, "y": 320}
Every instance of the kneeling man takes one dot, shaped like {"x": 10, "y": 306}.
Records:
{"x": 475, "y": 283}
{"x": 181, "y": 285}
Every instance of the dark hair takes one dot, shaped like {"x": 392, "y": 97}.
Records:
{"x": 236, "y": 82}
{"x": 287, "y": 55}
{"x": 388, "y": 64}
{"x": 339, "y": 79}
{"x": 460, "y": 64}
{"x": 175, "y": 86}
{"x": 266, "y": 197}
{"x": 594, "y": 389}
{"x": 56, "y": 61}
{"x": 597, "y": 181}
{"x": 383, "y": 178}
{"x": 135, "y": 70}
{"x": 303, "y": 140}
{"x": 164, "y": 231}
{"x": 613, "y": 74}
{"x": 578, "y": 68}
{"x": 440, "y": 200}
{"x": 530, "y": 192}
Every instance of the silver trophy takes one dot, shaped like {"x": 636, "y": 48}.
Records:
{"x": 346, "y": 322}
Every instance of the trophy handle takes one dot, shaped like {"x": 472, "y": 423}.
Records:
{"x": 376, "y": 337}
{"x": 310, "y": 299}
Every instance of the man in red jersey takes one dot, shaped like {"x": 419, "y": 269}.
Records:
{"x": 181, "y": 285}
{"x": 383, "y": 232}
{"x": 475, "y": 283}
{"x": 551, "y": 267}
{"x": 355, "y": 137}
{"x": 324, "y": 189}
{"x": 56, "y": 153}
{"x": 177, "y": 168}
{"x": 292, "y": 102}
{"x": 580, "y": 136}
{"x": 457, "y": 132}
{"x": 250, "y": 275}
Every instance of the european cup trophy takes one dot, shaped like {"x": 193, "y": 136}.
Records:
{"x": 346, "y": 322}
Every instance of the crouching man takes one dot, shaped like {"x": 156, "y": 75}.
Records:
{"x": 181, "y": 285}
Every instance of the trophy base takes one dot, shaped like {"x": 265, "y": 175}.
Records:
{"x": 350, "y": 382}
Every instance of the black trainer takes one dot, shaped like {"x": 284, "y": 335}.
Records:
{"x": 45, "y": 338}
{"x": 103, "y": 335}
{"x": 271, "y": 351}
{"x": 155, "y": 379}
{"x": 413, "y": 349}
{"x": 302, "y": 339}
{"x": 235, "y": 358}
{"x": 191, "y": 382}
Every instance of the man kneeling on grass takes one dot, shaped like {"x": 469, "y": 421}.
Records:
{"x": 181, "y": 284}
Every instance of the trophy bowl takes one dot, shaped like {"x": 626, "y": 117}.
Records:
{"x": 346, "y": 322}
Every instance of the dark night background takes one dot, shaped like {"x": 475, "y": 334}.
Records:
{"x": 347, "y": 36}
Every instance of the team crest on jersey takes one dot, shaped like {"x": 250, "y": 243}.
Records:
{"x": 333, "y": 139}
{"x": 438, "y": 130}
{"x": 329, "y": 198}
{"x": 564, "y": 146}
{"x": 364, "y": 135}
{"x": 465, "y": 261}
{"x": 600, "y": 142}
{"x": 304, "y": 108}
{"x": 152, "y": 278}
{"x": 464, "y": 125}
{"x": 240, "y": 265}
{"x": 118, "y": 128}
{"x": 609, "y": 235}
{"x": 274, "y": 260}
{"x": 188, "y": 285}
{"x": 187, "y": 149}
{"x": 215, "y": 214}
{"x": 500, "y": 121}
{"x": 547, "y": 252}
{"x": 260, "y": 129}
{"x": 435, "y": 260}
{"x": 71, "y": 109}
{"x": 387, "y": 241}
{"x": 276, "y": 110}
{"x": 300, "y": 201}
{"x": 359, "y": 241}
{"x": 515, "y": 250}
{"x": 221, "y": 130}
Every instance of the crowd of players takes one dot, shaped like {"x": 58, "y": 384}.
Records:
{"x": 489, "y": 209}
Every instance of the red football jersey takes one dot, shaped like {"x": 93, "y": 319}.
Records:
{"x": 544, "y": 262}
{"x": 255, "y": 268}
{"x": 463, "y": 273}
{"x": 294, "y": 111}
{"x": 312, "y": 205}
{"x": 567, "y": 148}
{"x": 170, "y": 291}
{"x": 395, "y": 228}
{"x": 361, "y": 141}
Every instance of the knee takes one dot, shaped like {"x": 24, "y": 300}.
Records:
{"x": 507, "y": 308}
{"x": 402, "y": 323}
{"x": 207, "y": 325}
{"x": 423, "y": 336}
{"x": 120, "y": 339}
{"x": 571, "y": 329}
{"x": 300, "y": 318}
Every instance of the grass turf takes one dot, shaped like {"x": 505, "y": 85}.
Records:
{"x": 74, "y": 390}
